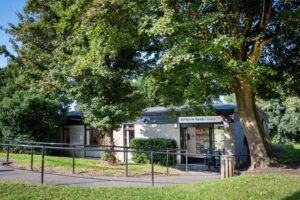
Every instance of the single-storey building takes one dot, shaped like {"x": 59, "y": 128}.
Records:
{"x": 223, "y": 131}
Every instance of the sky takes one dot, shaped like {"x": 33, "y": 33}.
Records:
{"x": 8, "y": 10}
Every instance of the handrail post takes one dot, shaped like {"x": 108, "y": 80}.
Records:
{"x": 124, "y": 154}
{"x": 7, "y": 156}
{"x": 238, "y": 165}
{"x": 42, "y": 170}
{"x": 126, "y": 161}
{"x": 167, "y": 162}
{"x": 152, "y": 169}
{"x": 186, "y": 161}
{"x": 31, "y": 163}
{"x": 73, "y": 160}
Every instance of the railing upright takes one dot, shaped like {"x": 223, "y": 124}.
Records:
{"x": 73, "y": 160}
{"x": 31, "y": 160}
{"x": 167, "y": 162}
{"x": 186, "y": 161}
{"x": 7, "y": 156}
{"x": 152, "y": 169}
{"x": 42, "y": 170}
{"x": 126, "y": 161}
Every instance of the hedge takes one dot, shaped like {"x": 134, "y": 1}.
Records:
{"x": 152, "y": 144}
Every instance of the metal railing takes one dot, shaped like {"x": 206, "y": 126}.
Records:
{"x": 103, "y": 148}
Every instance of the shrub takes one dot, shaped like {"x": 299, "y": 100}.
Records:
{"x": 152, "y": 144}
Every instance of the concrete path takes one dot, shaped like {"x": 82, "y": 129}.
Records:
{"x": 17, "y": 175}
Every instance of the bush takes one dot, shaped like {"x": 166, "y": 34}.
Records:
{"x": 152, "y": 144}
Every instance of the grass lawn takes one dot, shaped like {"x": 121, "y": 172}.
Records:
{"x": 244, "y": 187}
{"x": 83, "y": 166}
{"x": 289, "y": 154}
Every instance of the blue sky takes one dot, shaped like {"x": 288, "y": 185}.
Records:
{"x": 8, "y": 9}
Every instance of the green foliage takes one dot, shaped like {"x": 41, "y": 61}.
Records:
{"x": 284, "y": 118}
{"x": 29, "y": 115}
{"x": 230, "y": 98}
{"x": 152, "y": 144}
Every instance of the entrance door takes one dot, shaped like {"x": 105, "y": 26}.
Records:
{"x": 202, "y": 140}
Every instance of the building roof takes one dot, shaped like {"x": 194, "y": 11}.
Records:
{"x": 160, "y": 115}
{"x": 74, "y": 114}
{"x": 225, "y": 106}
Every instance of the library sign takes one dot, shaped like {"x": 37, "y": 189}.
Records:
{"x": 201, "y": 119}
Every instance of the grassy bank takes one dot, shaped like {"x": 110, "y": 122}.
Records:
{"x": 83, "y": 166}
{"x": 244, "y": 187}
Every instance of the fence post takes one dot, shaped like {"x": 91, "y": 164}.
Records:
{"x": 152, "y": 169}
{"x": 31, "y": 163}
{"x": 167, "y": 162}
{"x": 42, "y": 170}
{"x": 7, "y": 156}
{"x": 186, "y": 161}
{"x": 73, "y": 160}
{"x": 126, "y": 161}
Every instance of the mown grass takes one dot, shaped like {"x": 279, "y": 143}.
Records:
{"x": 290, "y": 154}
{"x": 83, "y": 166}
{"x": 244, "y": 187}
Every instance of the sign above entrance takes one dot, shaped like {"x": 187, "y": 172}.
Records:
{"x": 201, "y": 119}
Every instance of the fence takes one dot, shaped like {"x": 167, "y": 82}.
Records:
{"x": 32, "y": 146}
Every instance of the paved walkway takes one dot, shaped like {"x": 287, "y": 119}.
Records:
{"x": 17, "y": 175}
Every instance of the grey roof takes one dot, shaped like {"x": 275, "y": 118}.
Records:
{"x": 225, "y": 106}
{"x": 160, "y": 115}
{"x": 74, "y": 114}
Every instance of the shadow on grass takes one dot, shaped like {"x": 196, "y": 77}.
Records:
{"x": 288, "y": 155}
{"x": 294, "y": 196}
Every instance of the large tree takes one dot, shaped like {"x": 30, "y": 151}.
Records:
{"x": 213, "y": 43}
{"x": 91, "y": 52}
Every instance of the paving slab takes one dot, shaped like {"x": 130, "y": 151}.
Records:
{"x": 18, "y": 175}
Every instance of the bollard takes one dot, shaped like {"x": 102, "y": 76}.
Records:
{"x": 31, "y": 163}
{"x": 227, "y": 166}
{"x": 152, "y": 169}
{"x": 126, "y": 161}
{"x": 42, "y": 170}
{"x": 73, "y": 161}
{"x": 186, "y": 161}
{"x": 167, "y": 162}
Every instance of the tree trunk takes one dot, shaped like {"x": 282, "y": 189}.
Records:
{"x": 259, "y": 144}
{"x": 109, "y": 141}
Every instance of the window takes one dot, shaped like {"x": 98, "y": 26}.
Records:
{"x": 128, "y": 134}
{"x": 93, "y": 136}
{"x": 66, "y": 134}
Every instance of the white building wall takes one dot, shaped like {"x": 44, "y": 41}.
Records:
{"x": 118, "y": 141}
{"x": 168, "y": 131}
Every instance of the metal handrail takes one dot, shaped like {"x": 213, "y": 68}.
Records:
{"x": 168, "y": 153}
